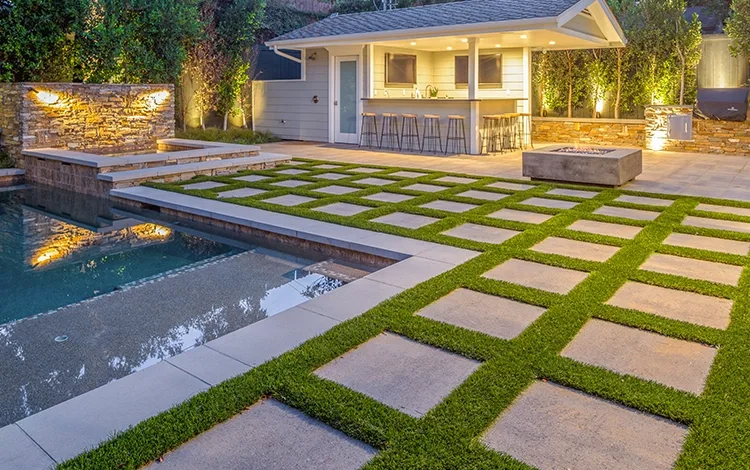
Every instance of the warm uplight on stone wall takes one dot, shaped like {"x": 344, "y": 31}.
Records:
{"x": 154, "y": 100}
{"x": 47, "y": 97}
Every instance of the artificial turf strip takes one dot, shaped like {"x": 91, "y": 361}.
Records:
{"x": 447, "y": 437}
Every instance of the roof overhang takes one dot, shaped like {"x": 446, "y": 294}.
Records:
{"x": 590, "y": 21}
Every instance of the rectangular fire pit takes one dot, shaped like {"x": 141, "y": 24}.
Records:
{"x": 591, "y": 165}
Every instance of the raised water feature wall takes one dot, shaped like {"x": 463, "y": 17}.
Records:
{"x": 84, "y": 117}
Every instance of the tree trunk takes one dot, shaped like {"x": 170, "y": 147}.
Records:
{"x": 596, "y": 100}
{"x": 203, "y": 124}
{"x": 226, "y": 118}
{"x": 244, "y": 119}
{"x": 619, "y": 83}
{"x": 682, "y": 80}
{"x": 570, "y": 84}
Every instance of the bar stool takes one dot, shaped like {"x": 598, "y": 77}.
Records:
{"x": 368, "y": 135}
{"x": 455, "y": 134}
{"x": 410, "y": 132}
{"x": 490, "y": 133}
{"x": 431, "y": 129}
{"x": 389, "y": 133}
{"x": 527, "y": 129}
{"x": 505, "y": 131}
{"x": 515, "y": 130}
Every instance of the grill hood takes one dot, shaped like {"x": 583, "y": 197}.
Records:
{"x": 722, "y": 104}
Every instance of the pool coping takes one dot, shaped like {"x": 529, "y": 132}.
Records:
{"x": 65, "y": 430}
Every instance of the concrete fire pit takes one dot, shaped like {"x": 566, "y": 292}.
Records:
{"x": 591, "y": 165}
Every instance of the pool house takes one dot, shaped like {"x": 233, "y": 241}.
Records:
{"x": 380, "y": 73}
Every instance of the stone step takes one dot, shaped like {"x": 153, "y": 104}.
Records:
{"x": 186, "y": 171}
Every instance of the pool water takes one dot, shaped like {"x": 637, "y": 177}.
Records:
{"x": 90, "y": 294}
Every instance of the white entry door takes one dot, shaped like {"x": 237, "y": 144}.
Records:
{"x": 346, "y": 100}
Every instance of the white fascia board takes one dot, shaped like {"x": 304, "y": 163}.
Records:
{"x": 566, "y": 16}
{"x": 594, "y": 40}
{"x": 419, "y": 33}
{"x": 602, "y": 14}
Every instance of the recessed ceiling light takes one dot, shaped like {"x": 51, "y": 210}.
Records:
{"x": 523, "y": 36}
{"x": 464, "y": 40}
{"x": 449, "y": 48}
{"x": 413, "y": 43}
{"x": 552, "y": 43}
{"x": 497, "y": 45}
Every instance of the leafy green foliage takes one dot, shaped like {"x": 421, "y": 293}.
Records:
{"x": 738, "y": 27}
{"x": 233, "y": 136}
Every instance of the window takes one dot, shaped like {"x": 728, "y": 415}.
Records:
{"x": 490, "y": 69}
{"x": 400, "y": 69}
{"x": 271, "y": 66}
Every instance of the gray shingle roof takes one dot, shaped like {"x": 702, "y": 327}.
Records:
{"x": 442, "y": 14}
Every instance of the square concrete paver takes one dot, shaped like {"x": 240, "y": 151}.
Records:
{"x": 375, "y": 181}
{"x": 332, "y": 176}
{"x": 604, "y": 228}
{"x": 326, "y": 166}
{"x": 388, "y": 197}
{"x": 708, "y": 243}
{"x": 573, "y": 193}
{"x": 366, "y": 170}
{"x": 484, "y": 195}
{"x": 408, "y": 174}
{"x": 693, "y": 268}
{"x": 242, "y": 192}
{"x": 457, "y": 180}
{"x": 649, "y": 201}
{"x": 490, "y": 314}
{"x": 292, "y": 171}
{"x": 481, "y": 233}
{"x": 19, "y": 452}
{"x": 403, "y": 374}
{"x": 673, "y": 362}
{"x": 289, "y": 200}
{"x": 402, "y": 219}
{"x": 204, "y": 185}
{"x": 520, "y": 216}
{"x": 511, "y": 186}
{"x": 336, "y": 189}
{"x": 269, "y": 436}
{"x": 675, "y": 304}
{"x": 342, "y": 208}
{"x": 552, "y": 427}
{"x": 291, "y": 183}
{"x": 743, "y": 211}
{"x": 575, "y": 249}
{"x": 537, "y": 276}
{"x": 449, "y": 206}
{"x": 252, "y": 178}
{"x": 717, "y": 224}
{"x": 549, "y": 203}
{"x": 625, "y": 213}
{"x": 425, "y": 188}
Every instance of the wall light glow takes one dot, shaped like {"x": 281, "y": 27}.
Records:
{"x": 600, "y": 105}
{"x": 156, "y": 99}
{"x": 47, "y": 97}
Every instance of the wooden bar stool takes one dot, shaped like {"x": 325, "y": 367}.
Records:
{"x": 490, "y": 133}
{"x": 410, "y": 133}
{"x": 504, "y": 131}
{"x": 431, "y": 133}
{"x": 456, "y": 134}
{"x": 389, "y": 132}
{"x": 514, "y": 131}
{"x": 368, "y": 135}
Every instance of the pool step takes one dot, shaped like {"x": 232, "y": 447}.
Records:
{"x": 185, "y": 171}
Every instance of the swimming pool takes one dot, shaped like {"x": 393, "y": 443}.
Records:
{"x": 90, "y": 294}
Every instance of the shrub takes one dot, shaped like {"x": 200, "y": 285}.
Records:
{"x": 233, "y": 135}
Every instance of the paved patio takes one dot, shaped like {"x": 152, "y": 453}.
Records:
{"x": 693, "y": 174}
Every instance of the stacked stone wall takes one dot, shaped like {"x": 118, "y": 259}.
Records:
{"x": 620, "y": 132}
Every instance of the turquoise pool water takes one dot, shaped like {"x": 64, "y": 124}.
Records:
{"x": 90, "y": 294}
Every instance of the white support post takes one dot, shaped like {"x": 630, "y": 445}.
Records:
{"x": 474, "y": 134}
{"x": 370, "y": 71}
{"x": 527, "y": 81}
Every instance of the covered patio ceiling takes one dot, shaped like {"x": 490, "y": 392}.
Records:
{"x": 545, "y": 24}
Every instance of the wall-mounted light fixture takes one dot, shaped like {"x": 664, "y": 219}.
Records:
{"x": 312, "y": 56}
{"x": 156, "y": 99}
{"x": 315, "y": 99}
{"x": 46, "y": 97}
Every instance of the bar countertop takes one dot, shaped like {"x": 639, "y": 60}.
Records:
{"x": 440, "y": 100}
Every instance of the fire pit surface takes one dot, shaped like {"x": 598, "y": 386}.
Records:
{"x": 590, "y": 165}
{"x": 584, "y": 150}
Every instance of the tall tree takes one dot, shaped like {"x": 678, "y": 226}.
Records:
{"x": 738, "y": 27}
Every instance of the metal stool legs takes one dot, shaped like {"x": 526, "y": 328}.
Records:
{"x": 390, "y": 132}
{"x": 368, "y": 136}
{"x": 431, "y": 134}
{"x": 410, "y": 133}
{"x": 455, "y": 135}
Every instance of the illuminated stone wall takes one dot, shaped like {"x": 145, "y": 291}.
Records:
{"x": 620, "y": 132}
{"x": 85, "y": 117}
{"x": 709, "y": 136}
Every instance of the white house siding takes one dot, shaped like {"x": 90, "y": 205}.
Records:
{"x": 286, "y": 107}
{"x": 424, "y": 71}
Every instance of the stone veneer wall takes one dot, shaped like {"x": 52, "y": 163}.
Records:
{"x": 709, "y": 136}
{"x": 85, "y": 117}
{"x": 620, "y": 132}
